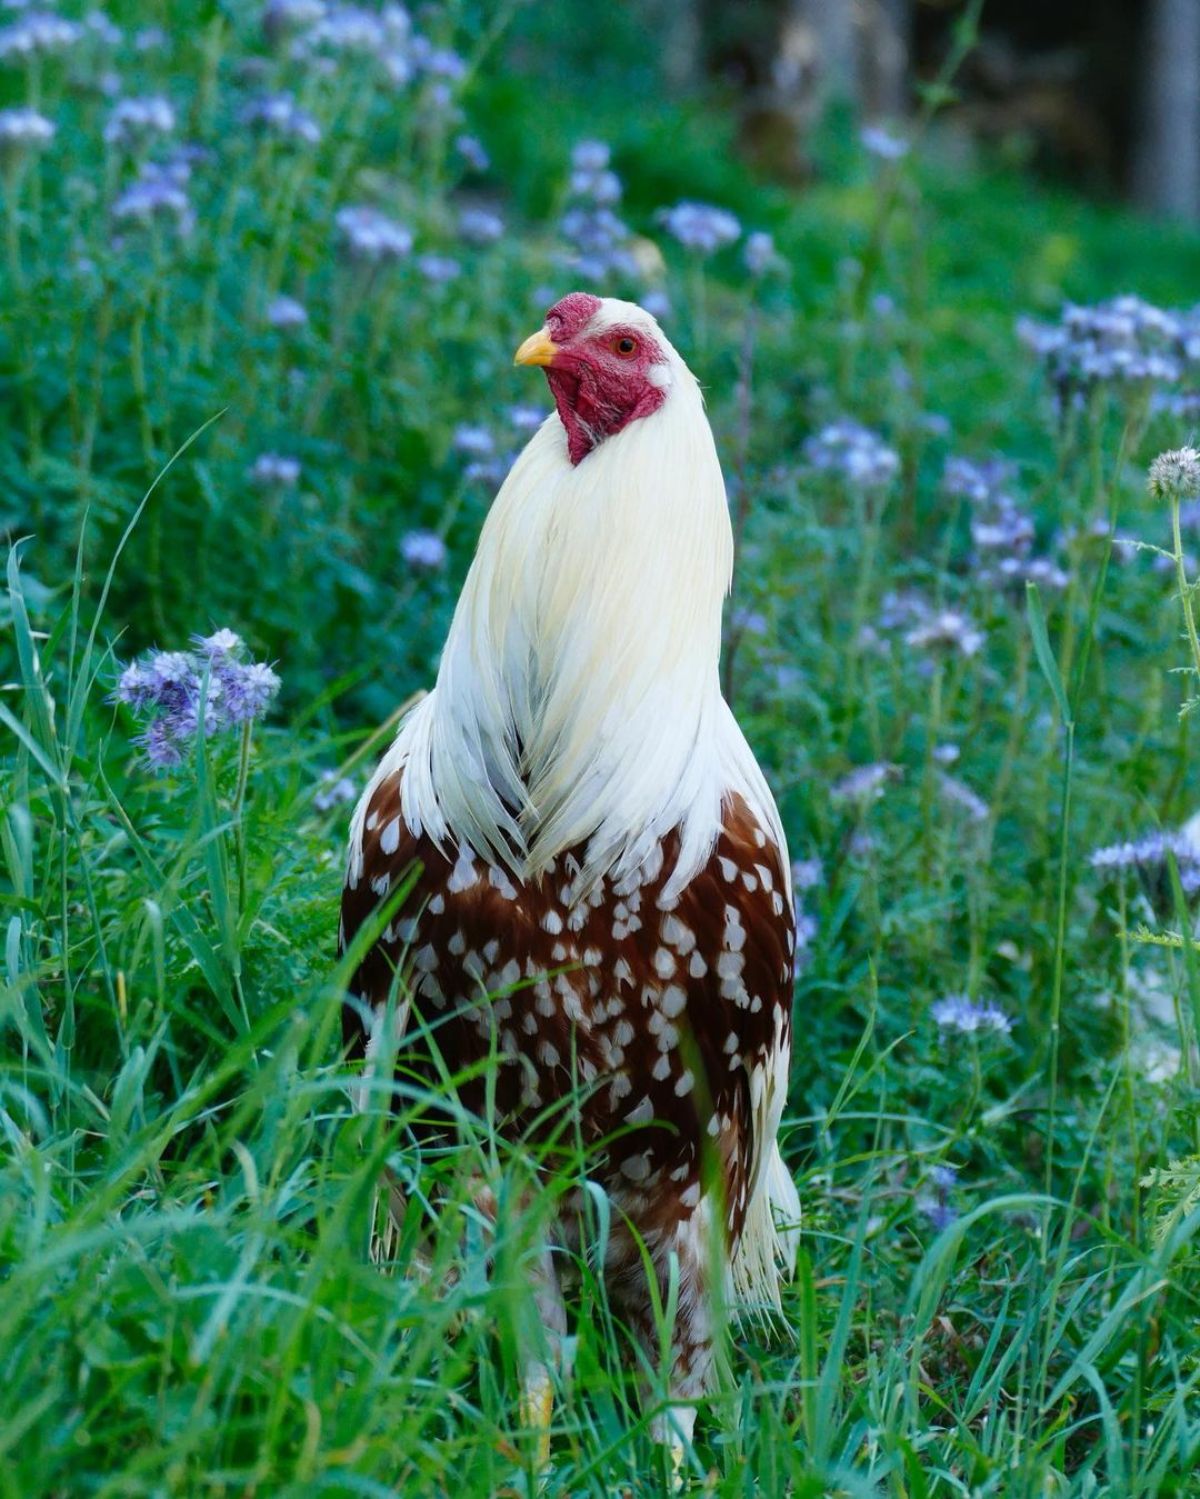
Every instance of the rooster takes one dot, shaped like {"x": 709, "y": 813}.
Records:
{"x": 602, "y": 891}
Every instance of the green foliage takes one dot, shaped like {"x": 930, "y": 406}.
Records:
{"x": 996, "y": 1289}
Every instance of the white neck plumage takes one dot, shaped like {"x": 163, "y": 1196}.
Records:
{"x": 578, "y": 701}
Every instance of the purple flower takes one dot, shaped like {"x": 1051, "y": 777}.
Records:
{"x": 600, "y": 188}
{"x": 864, "y": 784}
{"x": 333, "y": 790}
{"x": 248, "y": 690}
{"x": 162, "y": 748}
{"x": 223, "y": 642}
{"x": 354, "y": 30}
{"x": 940, "y": 1214}
{"x": 423, "y": 551}
{"x": 480, "y": 226}
{"x": 134, "y": 121}
{"x": 590, "y": 156}
{"x": 700, "y": 227}
{"x": 489, "y": 470}
{"x": 101, "y": 29}
{"x": 958, "y": 794}
{"x": 946, "y": 629}
{"x": 280, "y": 115}
{"x": 151, "y": 39}
{"x": 759, "y": 255}
{"x": 37, "y": 32}
{"x": 749, "y": 621}
{"x": 158, "y": 193}
{"x": 1002, "y": 532}
{"x": 23, "y": 129}
{"x": 442, "y": 62}
{"x": 286, "y": 313}
{"x": 370, "y": 235}
{"x": 525, "y": 418}
{"x": 1151, "y": 851}
{"x": 174, "y": 692}
{"x": 472, "y": 152}
{"x": 957, "y": 1012}
{"x": 806, "y": 934}
{"x": 882, "y": 142}
{"x": 477, "y": 441}
{"x": 861, "y": 456}
{"x": 1122, "y": 343}
{"x": 438, "y": 268}
{"x": 980, "y": 481}
{"x": 274, "y": 470}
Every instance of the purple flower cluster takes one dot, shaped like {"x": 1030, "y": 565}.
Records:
{"x": 333, "y": 790}
{"x": 855, "y": 452}
{"x": 23, "y": 129}
{"x": 1122, "y": 343}
{"x": 525, "y": 419}
{"x": 439, "y": 269}
{"x": 759, "y": 255}
{"x": 171, "y": 690}
{"x": 472, "y": 153}
{"x": 279, "y": 115}
{"x": 343, "y": 29}
{"x": 320, "y": 34}
{"x": 371, "y": 236}
{"x": 39, "y": 32}
{"x": 700, "y": 227}
{"x": 274, "y": 471}
{"x": 590, "y": 225}
{"x": 479, "y": 226}
{"x": 1150, "y": 852}
{"x": 928, "y": 627}
{"x": 807, "y": 874}
{"x": 934, "y": 1202}
{"x": 423, "y": 551}
{"x": 878, "y": 140}
{"x": 959, "y": 797}
{"x": 488, "y": 464}
{"x": 1002, "y": 532}
{"x": 158, "y": 195}
{"x": 969, "y": 1017}
{"x": 287, "y": 314}
{"x": 134, "y": 121}
{"x": 946, "y": 630}
{"x": 864, "y": 784}
{"x": 475, "y": 441}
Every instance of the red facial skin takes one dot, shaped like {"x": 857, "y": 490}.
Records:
{"x": 599, "y": 383}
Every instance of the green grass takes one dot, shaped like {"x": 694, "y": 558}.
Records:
{"x": 187, "y": 1304}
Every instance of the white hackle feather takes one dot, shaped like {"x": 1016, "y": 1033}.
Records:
{"x": 578, "y": 700}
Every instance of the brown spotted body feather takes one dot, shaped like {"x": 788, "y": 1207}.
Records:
{"x": 661, "y": 1010}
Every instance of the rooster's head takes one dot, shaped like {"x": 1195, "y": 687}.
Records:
{"x": 607, "y": 365}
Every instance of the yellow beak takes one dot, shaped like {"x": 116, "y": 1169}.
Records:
{"x": 538, "y": 348}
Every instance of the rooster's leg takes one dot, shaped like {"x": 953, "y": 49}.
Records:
{"x": 689, "y": 1353}
{"x": 542, "y": 1350}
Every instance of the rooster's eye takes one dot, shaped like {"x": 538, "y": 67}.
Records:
{"x": 626, "y": 347}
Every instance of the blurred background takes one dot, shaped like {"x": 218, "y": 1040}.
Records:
{"x": 1103, "y": 95}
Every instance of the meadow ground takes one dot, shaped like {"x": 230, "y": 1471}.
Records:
{"x": 259, "y": 295}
